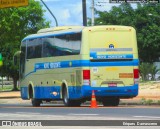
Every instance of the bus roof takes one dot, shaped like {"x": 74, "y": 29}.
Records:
{"x": 55, "y": 31}
{"x": 73, "y": 29}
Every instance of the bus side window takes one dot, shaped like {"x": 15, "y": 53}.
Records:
{"x": 30, "y": 52}
{"x": 34, "y": 48}
{"x": 60, "y": 45}
{"x": 38, "y": 48}
{"x": 46, "y": 50}
{"x": 48, "y": 47}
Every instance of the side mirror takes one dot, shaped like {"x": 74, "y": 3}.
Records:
{"x": 15, "y": 60}
{"x": 16, "y": 56}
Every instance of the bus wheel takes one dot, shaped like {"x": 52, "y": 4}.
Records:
{"x": 111, "y": 101}
{"x": 75, "y": 103}
{"x": 116, "y": 102}
{"x": 36, "y": 102}
{"x": 67, "y": 101}
{"x": 65, "y": 97}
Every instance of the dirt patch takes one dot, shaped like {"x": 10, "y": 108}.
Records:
{"x": 148, "y": 92}
{"x": 9, "y": 94}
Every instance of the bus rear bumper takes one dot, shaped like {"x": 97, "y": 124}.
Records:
{"x": 122, "y": 92}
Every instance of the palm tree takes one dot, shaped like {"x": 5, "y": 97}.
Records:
{"x": 153, "y": 71}
{"x": 144, "y": 70}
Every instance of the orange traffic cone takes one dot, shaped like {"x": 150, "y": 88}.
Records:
{"x": 93, "y": 100}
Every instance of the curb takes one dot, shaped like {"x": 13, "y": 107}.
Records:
{"x": 10, "y": 97}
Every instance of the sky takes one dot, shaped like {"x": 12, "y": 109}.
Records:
{"x": 69, "y": 12}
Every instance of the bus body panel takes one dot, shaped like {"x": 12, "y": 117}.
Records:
{"x": 111, "y": 55}
{"x": 108, "y": 53}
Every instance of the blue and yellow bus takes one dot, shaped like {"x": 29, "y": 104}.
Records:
{"x": 67, "y": 63}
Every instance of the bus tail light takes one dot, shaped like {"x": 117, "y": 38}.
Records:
{"x": 86, "y": 77}
{"x": 136, "y": 76}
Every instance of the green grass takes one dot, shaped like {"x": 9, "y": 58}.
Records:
{"x": 149, "y": 102}
{"x": 6, "y": 87}
{"x": 144, "y": 83}
{"x": 158, "y": 102}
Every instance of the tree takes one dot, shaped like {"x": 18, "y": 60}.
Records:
{"x": 15, "y": 24}
{"x": 145, "y": 19}
{"x": 148, "y": 71}
{"x": 148, "y": 32}
{"x": 144, "y": 71}
{"x": 153, "y": 71}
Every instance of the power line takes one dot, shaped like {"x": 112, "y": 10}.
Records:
{"x": 50, "y": 12}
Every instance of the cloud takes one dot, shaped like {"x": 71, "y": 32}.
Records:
{"x": 69, "y": 13}
{"x": 65, "y": 14}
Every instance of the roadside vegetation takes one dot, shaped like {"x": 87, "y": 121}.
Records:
{"x": 145, "y": 101}
{"x": 149, "y": 91}
{"x": 148, "y": 72}
{"x": 7, "y": 84}
{"x": 6, "y": 88}
{"x": 15, "y": 24}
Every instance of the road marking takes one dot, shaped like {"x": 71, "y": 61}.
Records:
{"x": 72, "y": 114}
{"x": 32, "y": 113}
{"x": 152, "y": 117}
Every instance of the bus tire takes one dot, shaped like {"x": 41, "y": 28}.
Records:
{"x": 36, "y": 102}
{"x": 75, "y": 103}
{"x": 68, "y": 102}
{"x": 111, "y": 101}
{"x": 116, "y": 102}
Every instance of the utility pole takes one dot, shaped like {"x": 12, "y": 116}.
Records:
{"x": 84, "y": 13}
{"x": 92, "y": 8}
{"x": 50, "y": 12}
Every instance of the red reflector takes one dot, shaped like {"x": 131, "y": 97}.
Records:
{"x": 136, "y": 73}
{"x": 129, "y": 90}
{"x": 86, "y": 74}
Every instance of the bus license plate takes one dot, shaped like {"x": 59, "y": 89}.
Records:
{"x": 112, "y": 84}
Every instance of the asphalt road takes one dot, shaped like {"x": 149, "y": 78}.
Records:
{"x": 59, "y": 112}
{"x": 79, "y": 113}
